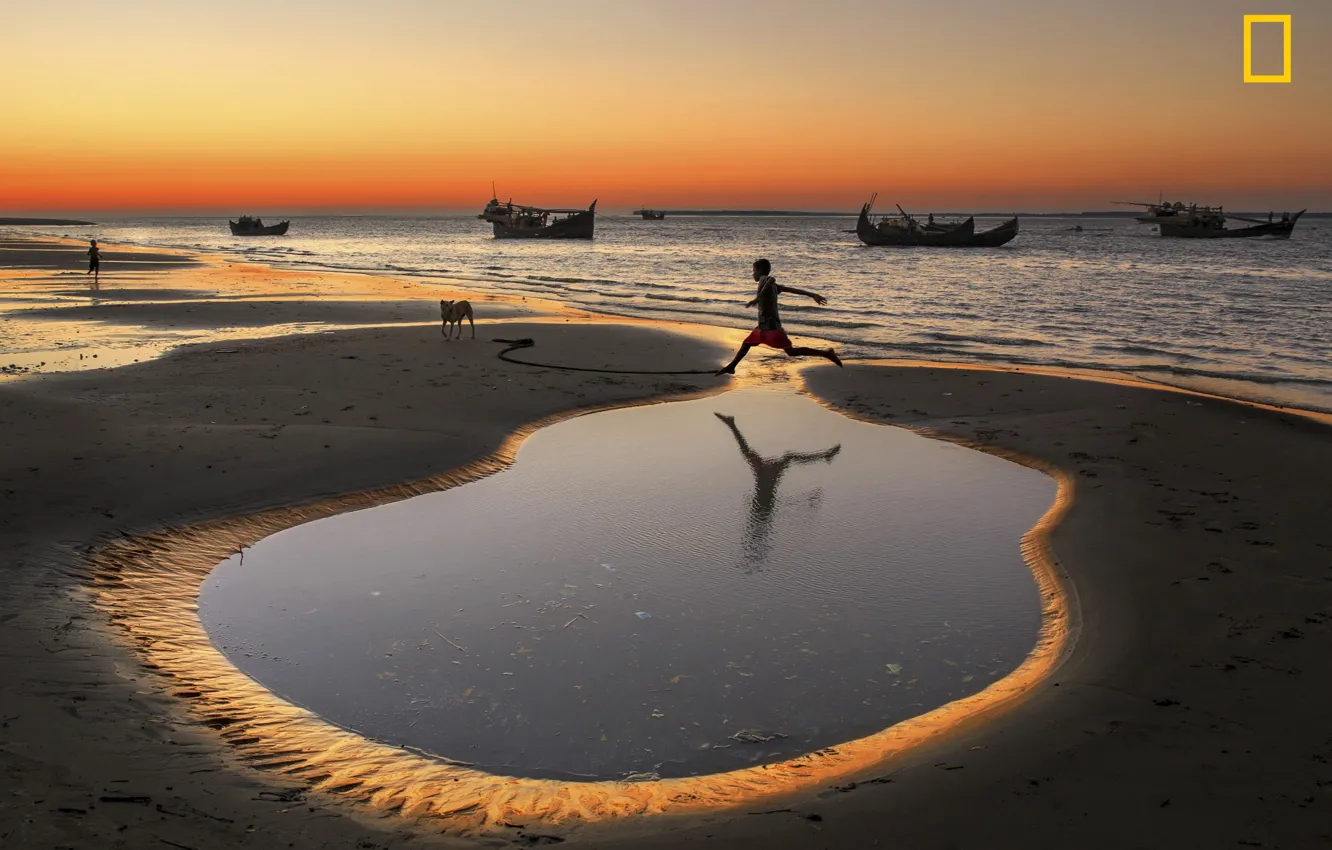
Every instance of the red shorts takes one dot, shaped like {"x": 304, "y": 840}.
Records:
{"x": 774, "y": 338}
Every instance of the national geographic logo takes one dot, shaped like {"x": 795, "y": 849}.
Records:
{"x": 1249, "y": 75}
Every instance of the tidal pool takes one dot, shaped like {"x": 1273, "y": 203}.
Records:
{"x": 669, "y": 590}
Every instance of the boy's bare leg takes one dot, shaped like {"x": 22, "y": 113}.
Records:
{"x": 729, "y": 369}
{"x": 814, "y": 352}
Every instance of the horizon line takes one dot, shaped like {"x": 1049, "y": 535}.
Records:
{"x": 15, "y": 217}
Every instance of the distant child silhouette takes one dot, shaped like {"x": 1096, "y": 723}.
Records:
{"x": 95, "y": 263}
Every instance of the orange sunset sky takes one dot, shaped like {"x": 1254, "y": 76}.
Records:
{"x": 286, "y": 107}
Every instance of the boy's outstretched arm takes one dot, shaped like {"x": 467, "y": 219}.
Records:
{"x": 818, "y": 299}
{"x": 750, "y": 455}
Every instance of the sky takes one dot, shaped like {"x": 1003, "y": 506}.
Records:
{"x": 142, "y": 106}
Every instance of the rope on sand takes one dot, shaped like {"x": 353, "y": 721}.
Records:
{"x": 528, "y": 342}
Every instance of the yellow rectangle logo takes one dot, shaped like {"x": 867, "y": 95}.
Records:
{"x": 1249, "y": 76}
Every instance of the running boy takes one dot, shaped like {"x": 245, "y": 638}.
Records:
{"x": 769, "y": 331}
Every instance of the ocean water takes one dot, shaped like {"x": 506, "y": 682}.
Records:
{"x": 651, "y": 584}
{"x": 1248, "y": 318}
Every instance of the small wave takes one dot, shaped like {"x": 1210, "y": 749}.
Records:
{"x": 426, "y": 273}
{"x": 831, "y": 323}
{"x": 920, "y": 348}
{"x": 334, "y": 267}
{"x": 1247, "y": 377}
{"x": 988, "y": 340}
{"x": 1145, "y": 350}
{"x": 688, "y": 299}
{"x": 594, "y": 280}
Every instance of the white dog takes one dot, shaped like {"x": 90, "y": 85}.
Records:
{"x": 453, "y": 312}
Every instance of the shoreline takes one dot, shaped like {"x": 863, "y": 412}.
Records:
{"x": 149, "y": 308}
{"x": 134, "y": 449}
{"x": 1175, "y": 367}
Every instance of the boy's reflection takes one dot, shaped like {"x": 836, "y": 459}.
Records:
{"x": 767, "y": 475}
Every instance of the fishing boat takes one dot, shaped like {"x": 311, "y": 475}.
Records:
{"x": 248, "y": 226}
{"x": 906, "y": 231}
{"x": 933, "y": 226}
{"x": 1194, "y": 222}
{"x": 516, "y": 221}
{"x": 651, "y": 215}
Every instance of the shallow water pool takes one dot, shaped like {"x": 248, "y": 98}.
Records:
{"x": 669, "y": 590}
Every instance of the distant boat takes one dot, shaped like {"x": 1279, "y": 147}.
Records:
{"x": 1195, "y": 222}
{"x": 515, "y": 221}
{"x": 651, "y": 215}
{"x": 255, "y": 227}
{"x": 907, "y": 231}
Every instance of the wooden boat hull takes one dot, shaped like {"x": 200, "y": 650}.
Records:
{"x": 267, "y": 230}
{"x": 579, "y": 225}
{"x": 1275, "y": 229}
{"x": 963, "y": 235}
{"x": 902, "y": 237}
{"x": 995, "y": 236}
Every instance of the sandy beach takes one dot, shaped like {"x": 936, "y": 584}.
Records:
{"x": 1196, "y": 558}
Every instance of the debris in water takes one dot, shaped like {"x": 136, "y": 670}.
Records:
{"x": 756, "y": 736}
{"x": 642, "y": 615}
{"x": 451, "y": 643}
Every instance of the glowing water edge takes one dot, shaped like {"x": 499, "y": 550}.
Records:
{"x": 669, "y": 590}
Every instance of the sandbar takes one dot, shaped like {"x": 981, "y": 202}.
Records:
{"x": 1183, "y": 711}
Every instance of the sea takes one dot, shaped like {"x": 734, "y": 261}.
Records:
{"x": 1247, "y": 318}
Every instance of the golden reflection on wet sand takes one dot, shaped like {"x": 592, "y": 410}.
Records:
{"x": 148, "y": 587}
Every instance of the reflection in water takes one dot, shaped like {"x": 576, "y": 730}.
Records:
{"x": 763, "y": 504}
{"x": 597, "y": 611}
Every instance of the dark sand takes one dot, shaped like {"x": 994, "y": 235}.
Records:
{"x": 200, "y": 434}
{"x": 1189, "y": 712}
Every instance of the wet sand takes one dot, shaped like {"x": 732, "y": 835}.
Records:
{"x": 20, "y": 253}
{"x": 53, "y": 319}
{"x": 1187, "y": 712}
